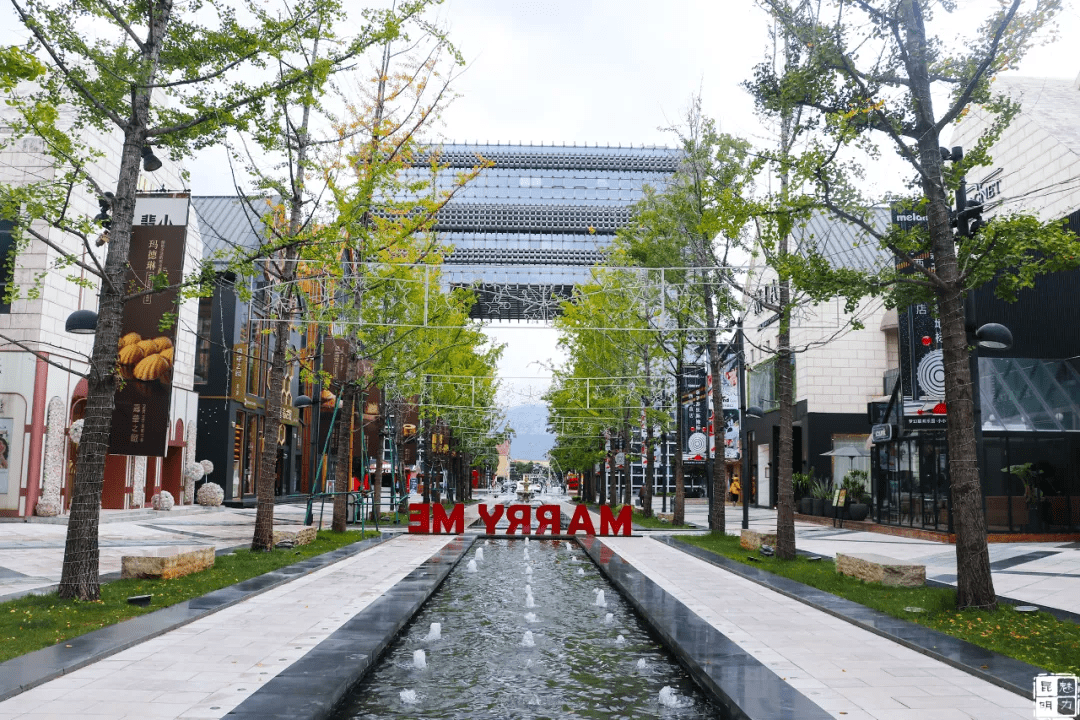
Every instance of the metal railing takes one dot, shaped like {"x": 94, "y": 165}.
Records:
{"x": 357, "y": 505}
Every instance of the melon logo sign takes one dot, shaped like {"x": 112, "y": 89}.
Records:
{"x": 429, "y": 519}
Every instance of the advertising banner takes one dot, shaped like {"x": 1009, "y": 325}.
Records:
{"x": 145, "y": 356}
{"x": 695, "y": 413}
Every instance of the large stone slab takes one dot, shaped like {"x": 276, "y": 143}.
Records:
{"x": 167, "y": 562}
{"x": 292, "y": 536}
{"x": 752, "y": 539}
{"x": 881, "y": 569}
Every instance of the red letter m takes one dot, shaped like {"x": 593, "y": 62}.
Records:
{"x": 610, "y": 525}
{"x": 456, "y": 522}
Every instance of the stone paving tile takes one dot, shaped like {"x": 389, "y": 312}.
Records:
{"x": 782, "y": 631}
{"x": 939, "y": 558}
{"x": 230, "y": 650}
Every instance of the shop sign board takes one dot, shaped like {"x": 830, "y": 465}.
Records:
{"x": 140, "y": 424}
{"x": 922, "y": 371}
{"x": 694, "y": 409}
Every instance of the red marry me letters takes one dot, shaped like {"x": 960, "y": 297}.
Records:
{"x": 431, "y": 518}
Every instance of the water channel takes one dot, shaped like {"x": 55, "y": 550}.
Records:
{"x": 535, "y": 631}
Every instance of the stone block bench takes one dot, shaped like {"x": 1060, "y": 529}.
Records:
{"x": 752, "y": 539}
{"x": 881, "y": 569}
{"x": 292, "y": 536}
{"x": 167, "y": 562}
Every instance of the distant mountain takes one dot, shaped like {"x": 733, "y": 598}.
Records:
{"x": 532, "y": 440}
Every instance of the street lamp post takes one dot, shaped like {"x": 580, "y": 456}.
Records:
{"x": 745, "y": 412}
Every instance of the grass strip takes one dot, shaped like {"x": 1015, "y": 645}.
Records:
{"x": 653, "y": 523}
{"x": 1035, "y": 638}
{"x": 33, "y": 622}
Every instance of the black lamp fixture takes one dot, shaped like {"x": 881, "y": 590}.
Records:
{"x": 106, "y": 204}
{"x": 754, "y": 411}
{"x": 302, "y": 401}
{"x": 994, "y": 336}
{"x": 150, "y": 161}
{"x": 81, "y": 322}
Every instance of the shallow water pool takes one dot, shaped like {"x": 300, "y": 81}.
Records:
{"x": 584, "y": 660}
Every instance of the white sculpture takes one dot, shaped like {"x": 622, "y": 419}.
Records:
{"x": 210, "y": 494}
{"x": 163, "y": 501}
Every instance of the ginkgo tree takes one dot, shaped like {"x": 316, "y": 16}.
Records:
{"x": 883, "y": 68}
{"x": 154, "y": 74}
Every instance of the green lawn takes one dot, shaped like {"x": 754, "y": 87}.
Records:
{"x": 36, "y": 621}
{"x": 1036, "y": 638}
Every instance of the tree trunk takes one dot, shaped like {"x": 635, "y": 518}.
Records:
{"x": 678, "y": 504}
{"x": 785, "y": 507}
{"x": 263, "y": 537}
{"x": 613, "y": 481}
{"x": 343, "y": 451}
{"x": 650, "y": 471}
{"x": 79, "y": 577}
{"x": 628, "y": 496}
{"x": 974, "y": 583}
{"x": 717, "y": 507}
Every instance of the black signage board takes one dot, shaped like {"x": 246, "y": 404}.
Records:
{"x": 926, "y": 421}
{"x": 881, "y": 433}
{"x": 693, "y": 404}
{"x": 922, "y": 373}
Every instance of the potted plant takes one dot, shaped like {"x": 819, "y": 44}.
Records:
{"x": 820, "y": 492}
{"x": 803, "y": 483}
{"x": 855, "y": 483}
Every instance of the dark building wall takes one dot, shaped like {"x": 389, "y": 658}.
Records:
{"x": 1044, "y": 320}
{"x": 217, "y": 411}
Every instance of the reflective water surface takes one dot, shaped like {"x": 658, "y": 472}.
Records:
{"x": 577, "y": 650}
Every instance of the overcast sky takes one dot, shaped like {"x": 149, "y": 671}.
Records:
{"x": 618, "y": 71}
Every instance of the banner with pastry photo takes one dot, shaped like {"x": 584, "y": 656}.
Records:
{"x": 146, "y": 351}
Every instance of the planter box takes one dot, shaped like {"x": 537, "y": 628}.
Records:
{"x": 819, "y": 506}
{"x": 881, "y": 569}
{"x": 858, "y": 511}
{"x": 806, "y": 506}
{"x": 752, "y": 539}
{"x": 168, "y": 562}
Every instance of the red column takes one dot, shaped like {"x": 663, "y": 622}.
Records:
{"x": 37, "y": 434}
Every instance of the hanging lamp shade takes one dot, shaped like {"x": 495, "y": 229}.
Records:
{"x": 81, "y": 322}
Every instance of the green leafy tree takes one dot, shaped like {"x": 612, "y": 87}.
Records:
{"x": 708, "y": 203}
{"x": 872, "y": 69}
{"x": 154, "y": 74}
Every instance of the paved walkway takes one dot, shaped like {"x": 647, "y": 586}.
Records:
{"x": 849, "y": 672}
{"x": 206, "y": 668}
{"x": 1039, "y": 573}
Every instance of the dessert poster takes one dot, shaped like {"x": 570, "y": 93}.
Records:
{"x": 146, "y": 350}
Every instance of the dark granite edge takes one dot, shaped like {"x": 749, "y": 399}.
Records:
{"x": 723, "y": 684}
{"x": 342, "y": 660}
{"x": 1008, "y": 673}
{"x": 22, "y": 673}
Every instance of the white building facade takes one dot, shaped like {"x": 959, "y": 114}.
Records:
{"x": 838, "y": 368}
{"x": 41, "y": 391}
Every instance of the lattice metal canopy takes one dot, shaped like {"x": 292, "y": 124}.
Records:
{"x": 525, "y": 231}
